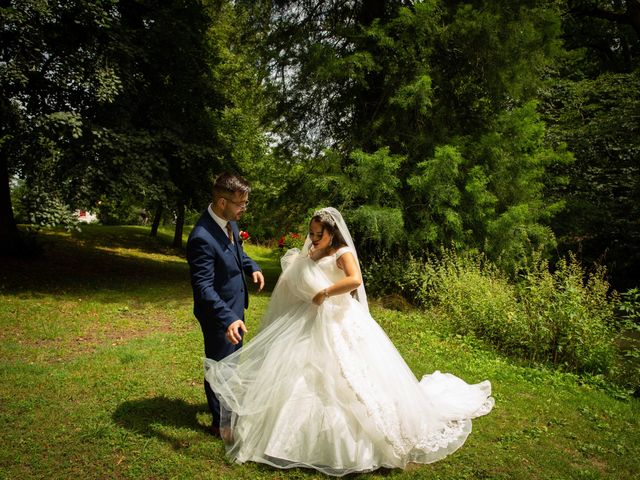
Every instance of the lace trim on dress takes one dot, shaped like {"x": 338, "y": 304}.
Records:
{"x": 385, "y": 417}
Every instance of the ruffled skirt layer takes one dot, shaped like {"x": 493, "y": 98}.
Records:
{"x": 324, "y": 388}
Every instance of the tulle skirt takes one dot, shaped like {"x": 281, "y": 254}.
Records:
{"x": 324, "y": 387}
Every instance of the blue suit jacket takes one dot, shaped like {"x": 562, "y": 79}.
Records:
{"x": 217, "y": 270}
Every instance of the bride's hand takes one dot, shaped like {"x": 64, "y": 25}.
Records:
{"x": 320, "y": 297}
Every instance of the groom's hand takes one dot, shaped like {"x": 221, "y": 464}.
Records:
{"x": 259, "y": 279}
{"x": 233, "y": 332}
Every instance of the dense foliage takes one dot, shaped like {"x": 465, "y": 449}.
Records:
{"x": 496, "y": 127}
{"x": 592, "y": 104}
{"x": 52, "y": 70}
{"x": 558, "y": 318}
{"x": 122, "y": 102}
{"x": 415, "y": 120}
{"x": 490, "y": 126}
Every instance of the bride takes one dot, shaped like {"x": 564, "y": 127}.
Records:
{"x": 322, "y": 386}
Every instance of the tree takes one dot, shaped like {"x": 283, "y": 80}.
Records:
{"x": 622, "y": 12}
{"x": 195, "y": 98}
{"x": 162, "y": 123}
{"x": 125, "y": 100}
{"x": 51, "y": 70}
{"x": 592, "y": 105}
{"x": 445, "y": 86}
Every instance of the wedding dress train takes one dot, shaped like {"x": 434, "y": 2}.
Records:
{"x": 323, "y": 386}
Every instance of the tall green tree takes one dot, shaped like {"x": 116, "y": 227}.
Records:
{"x": 52, "y": 69}
{"x": 196, "y": 103}
{"x": 129, "y": 101}
{"x": 173, "y": 103}
{"x": 242, "y": 121}
{"x": 592, "y": 105}
{"x": 447, "y": 88}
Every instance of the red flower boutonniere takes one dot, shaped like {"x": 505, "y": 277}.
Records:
{"x": 244, "y": 235}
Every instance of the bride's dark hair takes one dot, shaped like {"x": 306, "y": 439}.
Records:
{"x": 325, "y": 219}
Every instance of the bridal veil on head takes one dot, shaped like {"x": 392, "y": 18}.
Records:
{"x": 341, "y": 226}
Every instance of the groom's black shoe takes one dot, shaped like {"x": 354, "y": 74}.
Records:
{"x": 215, "y": 431}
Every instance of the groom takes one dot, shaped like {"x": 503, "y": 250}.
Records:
{"x": 218, "y": 266}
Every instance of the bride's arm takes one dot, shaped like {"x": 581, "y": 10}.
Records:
{"x": 349, "y": 283}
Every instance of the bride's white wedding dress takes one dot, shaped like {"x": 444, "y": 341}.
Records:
{"x": 323, "y": 386}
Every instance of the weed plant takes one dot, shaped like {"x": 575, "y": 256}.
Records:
{"x": 562, "y": 317}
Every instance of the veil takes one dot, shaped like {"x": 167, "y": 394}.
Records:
{"x": 360, "y": 295}
{"x": 296, "y": 264}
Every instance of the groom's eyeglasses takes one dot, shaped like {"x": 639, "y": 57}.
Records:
{"x": 239, "y": 204}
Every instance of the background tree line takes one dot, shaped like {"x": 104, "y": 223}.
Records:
{"x": 112, "y": 105}
{"x": 507, "y": 128}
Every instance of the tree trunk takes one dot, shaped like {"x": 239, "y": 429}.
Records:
{"x": 156, "y": 220}
{"x": 8, "y": 227}
{"x": 177, "y": 237}
{"x": 633, "y": 11}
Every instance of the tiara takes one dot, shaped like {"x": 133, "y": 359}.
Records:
{"x": 324, "y": 215}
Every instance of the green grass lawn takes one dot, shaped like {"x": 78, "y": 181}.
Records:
{"x": 101, "y": 377}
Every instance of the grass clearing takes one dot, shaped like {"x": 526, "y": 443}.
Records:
{"x": 101, "y": 377}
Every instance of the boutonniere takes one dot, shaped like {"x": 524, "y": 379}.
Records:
{"x": 244, "y": 236}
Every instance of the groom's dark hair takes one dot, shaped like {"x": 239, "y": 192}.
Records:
{"x": 228, "y": 183}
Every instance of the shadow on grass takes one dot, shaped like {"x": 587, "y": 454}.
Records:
{"x": 150, "y": 416}
{"x": 69, "y": 266}
{"x": 129, "y": 236}
{"x": 116, "y": 261}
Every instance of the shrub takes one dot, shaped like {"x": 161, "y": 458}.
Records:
{"x": 629, "y": 309}
{"x": 291, "y": 240}
{"x": 387, "y": 276}
{"x": 44, "y": 208}
{"x": 628, "y": 339}
{"x": 573, "y": 313}
{"x": 480, "y": 301}
{"x": 562, "y": 318}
